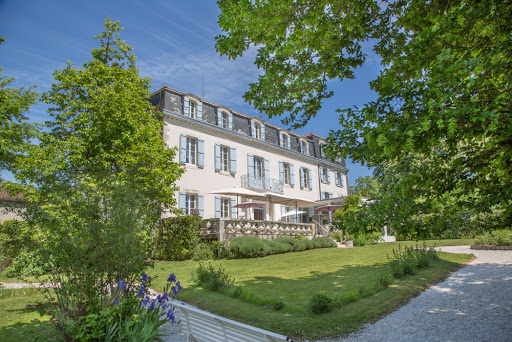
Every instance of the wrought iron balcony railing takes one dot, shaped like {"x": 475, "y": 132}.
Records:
{"x": 261, "y": 183}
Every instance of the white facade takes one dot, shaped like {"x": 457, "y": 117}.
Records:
{"x": 221, "y": 148}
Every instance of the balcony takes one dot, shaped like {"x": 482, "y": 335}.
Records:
{"x": 260, "y": 183}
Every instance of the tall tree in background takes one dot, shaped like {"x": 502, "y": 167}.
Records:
{"x": 15, "y": 131}
{"x": 100, "y": 177}
{"x": 444, "y": 93}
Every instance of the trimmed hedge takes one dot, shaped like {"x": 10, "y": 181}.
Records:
{"x": 253, "y": 247}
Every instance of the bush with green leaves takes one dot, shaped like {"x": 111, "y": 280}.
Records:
{"x": 498, "y": 238}
{"x": 406, "y": 261}
{"x": 178, "y": 236}
{"x": 248, "y": 247}
{"x": 320, "y": 303}
{"x": 207, "y": 276}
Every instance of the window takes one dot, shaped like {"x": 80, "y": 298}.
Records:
{"x": 190, "y": 204}
{"x": 257, "y": 131}
{"x": 224, "y": 158}
{"x": 258, "y": 167}
{"x": 225, "y": 207}
{"x": 284, "y": 140}
{"x": 191, "y": 149}
{"x": 327, "y": 195}
{"x": 324, "y": 175}
{"x": 304, "y": 147}
{"x": 286, "y": 173}
{"x": 192, "y": 109}
{"x": 338, "y": 178}
{"x": 305, "y": 178}
{"x": 322, "y": 150}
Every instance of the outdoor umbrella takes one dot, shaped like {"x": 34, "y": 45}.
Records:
{"x": 246, "y": 205}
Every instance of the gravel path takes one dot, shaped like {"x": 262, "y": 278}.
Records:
{"x": 472, "y": 304}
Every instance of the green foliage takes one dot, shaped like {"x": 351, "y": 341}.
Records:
{"x": 407, "y": 261}
{"x": 499, "y": 238}
{"x": 207, "y": 250}
{"x": 443, "y": 112}
{"x": 94, "y": 183}
{"x": 178, "y": 236}
{"x": 207, "y": 276}
{"x": 253, "y": 247}
{"x": 366, "y": 187}
{"x": 15, "y": 131}
{"x": 320, "y": 303}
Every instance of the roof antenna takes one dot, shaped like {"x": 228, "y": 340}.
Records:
{"x": 202, "y": 72}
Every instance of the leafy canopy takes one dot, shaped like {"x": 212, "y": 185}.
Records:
{"x": 444, "y": 92}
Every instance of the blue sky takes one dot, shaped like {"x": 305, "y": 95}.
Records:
{"x": 174, "y": 44}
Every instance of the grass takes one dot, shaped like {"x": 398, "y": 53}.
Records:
{"x": 294, "y": 277}
{"x": 20, "y": 319}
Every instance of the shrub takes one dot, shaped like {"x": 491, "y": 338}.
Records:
{"x": 248, "y": 247}
{"x": 251, "y": 246}
{"x": 499, "y": 238}
{"x": 360, "y": 241}
{"x": 202, "y": 252}
{"x": 208, "y": 277}
{"x": 320, "y": 303}
{"x": 177, "y": 237}
{"x": 219, "y": 249}
{"x": 408, "y": 260}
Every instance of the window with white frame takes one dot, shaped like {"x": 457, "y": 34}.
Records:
{"x": 224, "y": 158}
{"x": 286, "y": 174}
{"x": 190, "y": 204}
{"x": 322, "y": 150}
{"x": 304, "y": 147}
{"x": 259, "y": 170}
{"x": 305, "y": 175}
{"x": 285, "y": 140}
{"x": 257, "y": 131}
{"x": 225, "y": 207}
{"x": 191, "y": 151}
{"x": 327, "y": 195}
{"x": 192, "y": 109}
{"x": 338, "y": 178}
{"x": 323, "y": 174}
{"x": 225, "y": 120}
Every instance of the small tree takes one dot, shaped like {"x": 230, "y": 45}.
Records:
{"x": 100, "y": 177}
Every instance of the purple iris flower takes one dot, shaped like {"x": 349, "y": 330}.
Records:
{"x": 172, "y": 278}
{"x": 179, "y": 286}
{"x": 141, "y": 291}
{"x": 122, "y": 285}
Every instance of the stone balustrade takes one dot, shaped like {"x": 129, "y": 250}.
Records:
{"x": 224, "y": 229}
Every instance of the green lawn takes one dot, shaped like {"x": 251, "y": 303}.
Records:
{"x": 20, "y": 319}
{"x": 294, "y": 277}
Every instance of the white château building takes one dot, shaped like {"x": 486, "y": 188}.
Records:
{"x": 221, "y": 149}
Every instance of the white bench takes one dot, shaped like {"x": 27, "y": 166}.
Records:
{"x": 203, "y": 326}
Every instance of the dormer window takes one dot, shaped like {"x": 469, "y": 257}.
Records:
{"x": 322, "y": 150}
{"x": 192, "y": 109}
{"x": 284, "y": 140}
{"x": 258, "y": 130}
{"x": 224, "y": 119}
{"x": 304, "y": 147}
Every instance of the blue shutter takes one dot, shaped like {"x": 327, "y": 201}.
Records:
{"x": 301, "y": 175}
{"x": 331, "y": 195}
{"x": 283, "y": 211}
{"x": 263, "y": 132}
{"x": 341, "y": 180}
{"x": 267, "y": 174}
{"x": 200, "y": 205}
{"x": 321, "y": 172}
{"x": 200, "y": 111}
{"x": 200, "y": 153}
{"x": 250, "y": 164}
{"x": 310, "y": 180}
{"x": 281, "y": 172}
{"x": 281, "y": 139}
{"x": 322, "y": 195}
{"x": 307, "y": 148}
{"x": 336, "y": 178}
{"x": 233, "y": 209}
{"x": 232, "y": 157}
{"x": 292, "y": 176}
{"x": 217, "y": 206}
{"x": 230, "y": 122}
{"x": 253, "y": 129}
{"x": 220, "y": 118}
{"x": 289, "y": 144}
{"x": 217, "y": 157}
{"x": 182, "y": 200}
{"x": 186, "y": 104}
{"x": 183, "y": 148}
{"x": 328, "y": 176}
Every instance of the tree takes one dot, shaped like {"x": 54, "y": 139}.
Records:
{"x": 100, "y": 177}
{"x": 366, "y": 186}
{"x": 15, "y": 131}
{"x": 444, "y": 93}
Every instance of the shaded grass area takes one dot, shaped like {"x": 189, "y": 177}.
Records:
{"x": 294, "y": 277}
{"x": 20, "y": 319}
